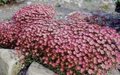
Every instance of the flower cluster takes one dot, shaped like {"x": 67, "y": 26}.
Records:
{"x": 32, "y": 13}
{"x": 72, "y": 46}
{"x": 105, "y": 19}
{"x": 77, "y": 15}
{"x": 8, "y": 33}
{"x": 82, "y": 48}
{"x": 37, "y": 14}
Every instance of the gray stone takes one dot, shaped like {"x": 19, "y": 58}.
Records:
{"x": 37, "y": 69}
{"x": 18, "y": 1}
{"x": 90, "y": 5}
{"x": 28, "y": 3}
{"x": 9, "y": 62}
{"x": 113, "y": 72}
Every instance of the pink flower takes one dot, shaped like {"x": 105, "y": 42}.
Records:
{"x": 34, "y": 14}
{"x": 63, "y": 44}
{"x": 90, "y": 71}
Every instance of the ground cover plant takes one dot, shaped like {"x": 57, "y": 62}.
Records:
{"x": 69, "y": 47}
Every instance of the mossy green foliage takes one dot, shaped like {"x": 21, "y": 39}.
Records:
{"x": 118, "y": 2}
{"x": 117, "y": 6}
{"x": 3, "y": 1}
{"x": 105, "y": 7}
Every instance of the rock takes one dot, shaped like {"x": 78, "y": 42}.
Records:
{"x": 28, "y": 3}
{"x": 91, "y": 5}
{"x": 18, "y": 1}
{"x": 9, "y": 62}
{"x": 113, "y": 72}
{"x": 37, "y": 69}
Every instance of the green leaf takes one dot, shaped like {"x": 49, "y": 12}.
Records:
{"x": 4, "y": 1}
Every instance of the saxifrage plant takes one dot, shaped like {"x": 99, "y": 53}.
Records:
{"x": 71, "y": 46}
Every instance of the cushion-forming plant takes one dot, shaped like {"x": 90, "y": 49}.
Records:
{"x": 72, "y": 46}
{"x": 8, "y": 31}
{"x": 33, "y": 13}
{"x": 105, "y": 19}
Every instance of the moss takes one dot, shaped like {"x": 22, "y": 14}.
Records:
{"x": 117, "y": 6}
{"x": 3, "y": 2}
{"x": 17, "y": 67}
{"x": 105, "y": 7}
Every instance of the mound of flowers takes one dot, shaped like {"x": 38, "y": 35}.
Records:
{"x": 33, "y": 13}
{"x": 8, "y": 33}
{"x": 70, "y": 47}
{"x": 105, "y": 19}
